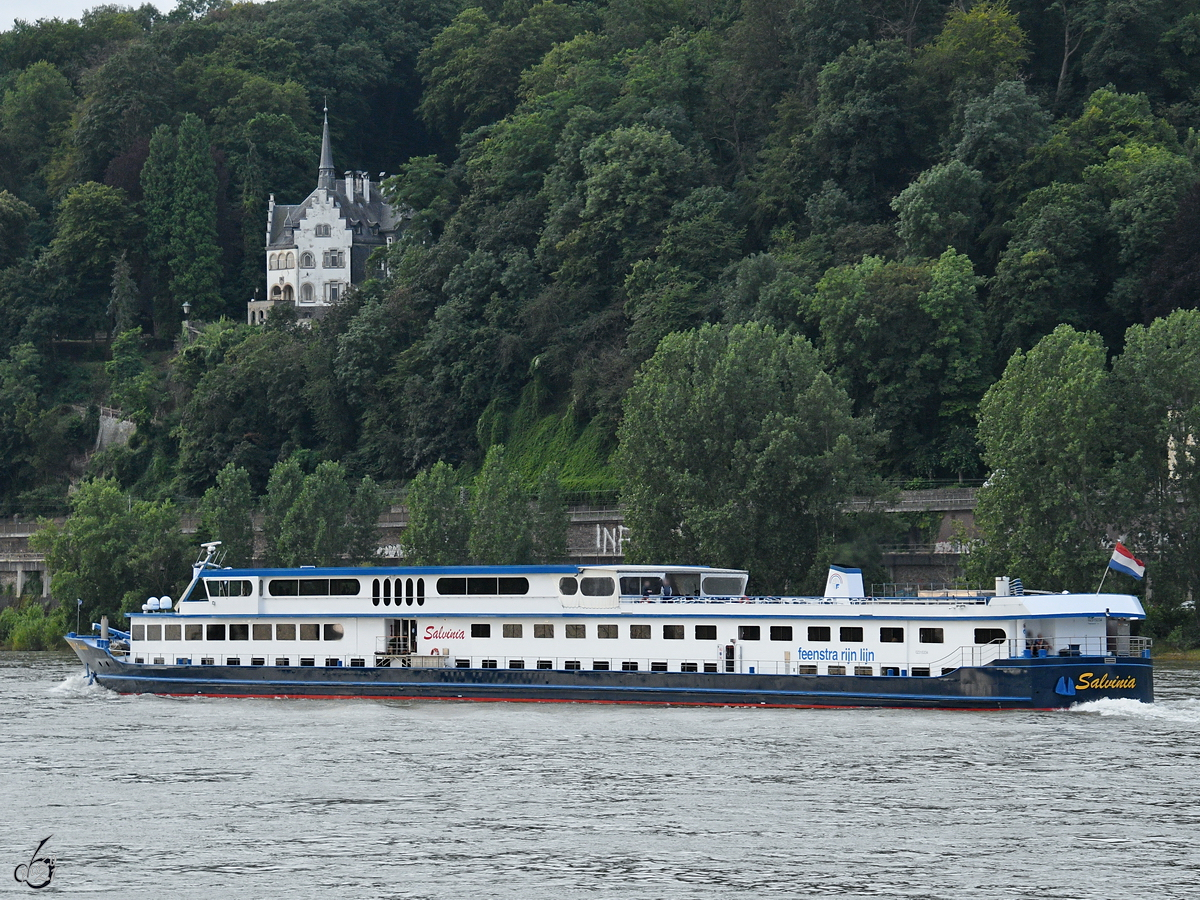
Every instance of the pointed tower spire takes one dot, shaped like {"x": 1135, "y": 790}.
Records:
{"x": 325, "y": 174}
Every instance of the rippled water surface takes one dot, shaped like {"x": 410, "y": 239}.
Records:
{"x": 197, "y": 798}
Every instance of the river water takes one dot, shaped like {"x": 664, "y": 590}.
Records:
{"x": 196, "y": 798}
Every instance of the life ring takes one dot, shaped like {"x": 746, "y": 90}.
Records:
{"x": 434, "y": 652}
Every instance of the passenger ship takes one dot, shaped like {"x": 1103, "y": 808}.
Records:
{"x": 617, "y": 633}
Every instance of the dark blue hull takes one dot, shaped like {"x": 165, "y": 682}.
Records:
{"x": 1047, "y": 683}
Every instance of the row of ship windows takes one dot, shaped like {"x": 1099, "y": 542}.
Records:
{"x": 307, "y": 631}
{"x": 570, "y": 665}
{"x": 312, "y": 631}
{"x": 384, "y": 589}
{"x": 816, "y": 633}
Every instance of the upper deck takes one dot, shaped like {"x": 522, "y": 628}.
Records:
{"x": 646, "y": 591}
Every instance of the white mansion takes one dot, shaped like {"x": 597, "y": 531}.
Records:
{"x": 318, "y": 248}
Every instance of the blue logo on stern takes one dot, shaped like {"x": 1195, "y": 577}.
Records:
{"x": 1065, "y": 687}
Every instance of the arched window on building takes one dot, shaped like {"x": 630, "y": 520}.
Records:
{"x": 306, "y": 293}
{"x": 307, "y": 260}
{"x": 271, "y": 262}
{"x": 291, "y": 260}
{"x": 277, "y": 293}
{"x": 321, "y": 231}
{"x": 288, "y": 294}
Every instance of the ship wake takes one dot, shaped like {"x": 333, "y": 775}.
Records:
{"x": 1182, "y": 711}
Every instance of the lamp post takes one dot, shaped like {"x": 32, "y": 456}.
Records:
{"x": 187, "y": 312}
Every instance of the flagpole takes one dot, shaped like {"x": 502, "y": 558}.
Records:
{"x": 1102, "y": 577}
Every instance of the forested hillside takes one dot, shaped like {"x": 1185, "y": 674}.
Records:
{"x": 892, "y": 201}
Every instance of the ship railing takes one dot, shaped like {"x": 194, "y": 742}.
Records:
{"x": 1122, "y": 645}
{"x": 392, "y": 645}
{"x": 923, "y": 600}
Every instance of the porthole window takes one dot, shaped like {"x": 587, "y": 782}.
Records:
{"x": 420, "y": 592}
{"x": 375, "y": 592}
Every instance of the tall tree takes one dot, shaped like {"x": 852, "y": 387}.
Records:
{"x": 123, "y": 301}
{"x": 283, "y": 487}
{"x": 158, "y": 214}
{"x": 329, "y": 522}
{"x": 1048, "y": 430}
{"x": 113, "y": 552}
{"x": 1157, "y": 379}
{"x": 93, "y": 224}
{"x": 439, "y": 524}
{"x": 195, "y": 260}
{"x": 737, "y": 450}
{"x": 550, "y": 518}
{"x": 500, "y": 533}
{"x": 227, "y": 515}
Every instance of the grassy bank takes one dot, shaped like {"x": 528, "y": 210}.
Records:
{"x": 1174, "y": 653}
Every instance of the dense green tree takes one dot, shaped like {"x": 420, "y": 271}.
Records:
{"x": 1048, "y": 431}
{"x": 738, "y": 450}
{"x": 979, "y": 47}
{"x": 550, "y": 518}
{"x": 1051, "y": 269}
{"x": 866, "y": 124}
{"x": 113, "y": 552}
{"x": 123, "y": 302}
{"x": 941, "y": 209}
{"x": 20, "y": 410}
{"x": 158, "y": 213}
{"x": 472, "y": 68}
{"x": 195, "y": 258}
{"x": 15, "y": 216}
{"x": 132, "y": 386}
{"x": 35, "y": 115}
{"x": 1173, "y": 279}
{"x": 283, "y": 489}
{"x": 499, "y": 510}
{"x": 999, "y": 129}
{"x": 227, "y": 515}
{"x": 673, "y": 290}
{"x": 909, "y": 342}
{"x": 246, "y": 404}
{"x": 1157, "y": 378}
{"x": 439, "y": 522}
{"x": 329, "y": 522}
{"x": 93, "y": 225}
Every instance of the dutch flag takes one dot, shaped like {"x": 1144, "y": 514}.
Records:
{"x": 1124, "y": 561}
